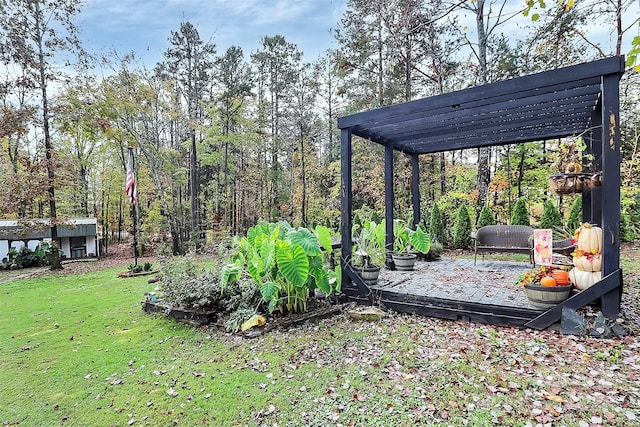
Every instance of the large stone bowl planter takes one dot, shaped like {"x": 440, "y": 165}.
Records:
{"x": 404, "y": 262}
{"x": 369, "y": 274}
{"x": 546, "y": 297}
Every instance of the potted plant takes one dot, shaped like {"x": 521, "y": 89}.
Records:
{"x": 406, "y": 240}
{"x": 571, "y": 177}
{"x": 545, "y": 286}
{"x": 369, "y": 253}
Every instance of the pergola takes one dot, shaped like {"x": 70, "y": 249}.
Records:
{"x": 577, "y": 100}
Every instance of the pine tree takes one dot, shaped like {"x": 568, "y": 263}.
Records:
{"x": 436, "y": 226}
{"x": 551, "y": 217}
{"x": 520, "y": 214}
{"x": 575, "y": 215}
{"x": 462, "y": 229}
{"x": 486, "y": 217}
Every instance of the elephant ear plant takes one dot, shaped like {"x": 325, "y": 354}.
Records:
{"x": 407, "y": 239}
{"x": 286, "y": 263}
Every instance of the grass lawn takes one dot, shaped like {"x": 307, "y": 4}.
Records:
{"x": 76, "y": 349}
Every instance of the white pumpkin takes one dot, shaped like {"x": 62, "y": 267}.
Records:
{"x": 590, "y": 239}
{"x": 584, "y": 279}
{"x": 590, "y": 263}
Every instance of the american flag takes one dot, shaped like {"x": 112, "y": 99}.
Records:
{"x": 130, "y": 186}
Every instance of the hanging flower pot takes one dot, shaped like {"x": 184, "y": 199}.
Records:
{"x": 568, "y": 183}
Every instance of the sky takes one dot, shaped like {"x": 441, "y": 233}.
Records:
{"x": 144, "y": 26}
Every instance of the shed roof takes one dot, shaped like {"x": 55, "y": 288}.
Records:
{"x": 546, "y": 105}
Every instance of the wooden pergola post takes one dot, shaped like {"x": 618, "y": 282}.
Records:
{"x": 415, "y": 189}
{"x": 610, "y": 192}
{"x": 346, "y": 194}
{"x": 389, "y": 201}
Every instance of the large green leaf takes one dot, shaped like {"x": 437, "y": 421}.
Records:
{"x": 269, "y": 291}
{"x": 229, "y": 274}
{"x": 306, "y": 239}
{"x": 323, "y": 234}
{"x": 255, "y": 266}
{"x": 420, "y": 240}
{"x": 267, "y": 253}
{"x": 252, "y": 233}
{"x": 293, "y": 263}
{"x": 322, "y": 281}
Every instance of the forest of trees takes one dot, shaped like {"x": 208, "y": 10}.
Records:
{"x": 224, "y": 138}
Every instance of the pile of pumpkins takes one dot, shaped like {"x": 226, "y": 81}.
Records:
{"x": 587, "y": 258}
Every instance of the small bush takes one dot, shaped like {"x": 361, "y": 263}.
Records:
{"x": 575, "y": 215}
{"x": 436, "y": 226}
{"x": 184, "y": 284}
{"x": 486, "y": 217}
{"x": 551, "y": 217}
{"x": 520, "y": 214}
{"x": 25, "y": 257}
{"x": 462, "y": 229}
{"x": 435, "y": 250}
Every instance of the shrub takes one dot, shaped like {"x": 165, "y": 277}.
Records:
{"x": 520, "y": 214}
{"x": 184, "y": 284}
{"x": 575, "y": 215}
{"x": 625, "y": 232}
{"x": 25, "y": 257}
{"x": 436, "y": 226}
{"x": 435, "y": 250}
{"x": 462, "y": 229}
{"x": 486, "y": 217}
{"x": 551, "y": 217}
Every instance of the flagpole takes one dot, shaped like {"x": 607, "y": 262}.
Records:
{"x": 134, "y": 216}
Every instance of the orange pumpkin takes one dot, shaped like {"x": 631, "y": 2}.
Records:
{"x": 560, "y": 275}
{"x": 548, "y": 281}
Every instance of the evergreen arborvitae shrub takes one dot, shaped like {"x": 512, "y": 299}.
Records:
{"x": 462, "y": 229}
{"x": 625, "y": 232}
{"x": 551, "y": 217}
{"x": 520, "y": 214}
{"x": 575, "y": 215}
{"x": 486, "y": 217}
{"x": 436, "y": 226}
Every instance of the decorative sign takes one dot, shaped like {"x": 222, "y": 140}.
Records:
{"x": 543, "y": 246}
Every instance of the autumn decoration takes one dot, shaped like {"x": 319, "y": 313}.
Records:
{"x": 545, "y": 286}
{"x": 587, "y": 257}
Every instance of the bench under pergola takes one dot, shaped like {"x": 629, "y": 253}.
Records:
{"x": 577, "y": 100}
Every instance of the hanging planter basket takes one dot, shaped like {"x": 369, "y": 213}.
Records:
{"x": 568, "y": 183}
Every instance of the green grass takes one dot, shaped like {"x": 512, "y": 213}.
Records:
{"x": 78, "y": 350}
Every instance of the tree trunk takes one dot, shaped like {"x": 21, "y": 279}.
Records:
{"x": 484, "y": 174}
{"x": 51, "y": 178}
